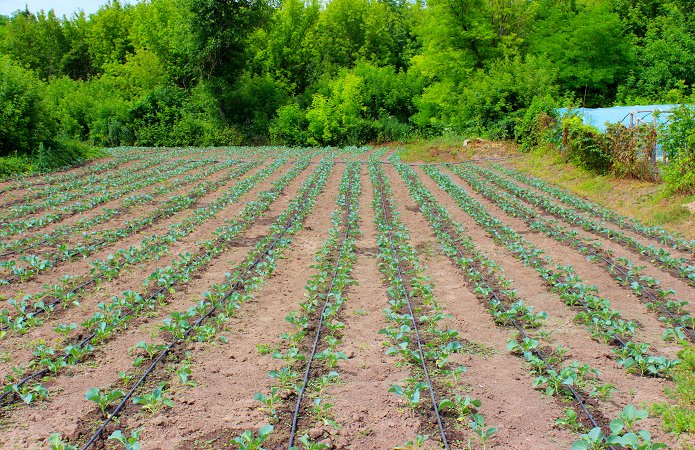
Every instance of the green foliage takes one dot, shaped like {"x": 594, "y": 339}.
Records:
{"x": 207, "y": 72}
{"x": 337, "y": 118}
{"x": 25, "y": 119}
{"x": 588, "y": 47}
{"x": 678, "y": 143}
{"x": 584, "y": 145}
{"x": 129, "y": 443}
{"x": 290, "y": 125}
{"x": 679, "y": 418}
{"x": 10, "y": 165}
{"x": 538, "y": 123}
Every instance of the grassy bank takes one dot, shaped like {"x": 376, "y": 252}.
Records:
{"x": 645, "y": 201}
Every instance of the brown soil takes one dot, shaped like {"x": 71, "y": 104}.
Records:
{"x": 229, "y": 374}
{"x": 134, "y": 278}
{"x": 494, "y": 376}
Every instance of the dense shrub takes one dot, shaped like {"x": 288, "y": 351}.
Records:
{"x": 290, "y": 126}
{"x": 10, "y": 165}
{"x": 584, "y": 145}
{"x": 678, "y": 143}
{"x": 632, "y": 150}
{"x": 25, "y": 119}
{"x": 538, "y": 123}
{"x": 337, "y": 118}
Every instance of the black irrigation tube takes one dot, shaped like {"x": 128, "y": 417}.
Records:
{"x": 536, "y": 351}
{"x": 646, "y": 290}
{"x": 414, "y": 322}
{"x": 388, "y": 163}
{"x": 588, "y": 248}
{"x": 177, "y": 164}
{"x": 307, "y": 373}
{"x": 58, "y": 260}
{"x": 197, "y": 323}
{"x": 586, "y": 308}
{"x": 117, "y": 213}
{"x": 56, "y": 301}
{"x": 86, "y": 340}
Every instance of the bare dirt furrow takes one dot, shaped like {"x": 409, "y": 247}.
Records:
{"x": 82, "y": 266}
{"x": 12, "y": 189}
{"x": 135, "y": 277}
{"x": 565, "y": 330}
{"x": 222, "y": 407}
{"x": 523, "y": 416}
{"x": 70, "y": 220}
{"x": 70, "y": 231}
{"x": 631, "y": 233}
{"x": 683, "y": 290}
{"x": 369, "y": 416}
{"x": 620, "y": 297}
{"x": 156, "y": 170}
{"x": 102, "y": 371}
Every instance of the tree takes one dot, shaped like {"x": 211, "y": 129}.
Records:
{"x": 25, "y": 120}
{"x": 589, "y": 50}
{"x": 220, "y": 30}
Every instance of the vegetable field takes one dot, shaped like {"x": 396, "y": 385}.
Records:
{"x": 333, "y": 298}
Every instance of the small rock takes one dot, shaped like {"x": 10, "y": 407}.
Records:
{"x": 315, "y": 433}
{"x": 327, "y": 442}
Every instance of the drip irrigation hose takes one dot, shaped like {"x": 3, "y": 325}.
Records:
{"x": 588, "y": 248}
{"x": 116, "y": 213}
{"x": 307, "y": 373}
{"x": 128, "y": 230}
{"x": 171, "y": 345}
{"x": 522, "y": 331}
{"x": 615, "y": 337}
{"x": 86, "y": 340}
{"x": 416, "y": 329}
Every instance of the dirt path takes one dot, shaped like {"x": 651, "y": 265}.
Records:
{"x": 529, "y": 286}
{"x": 621, "y": 297}
{"x": 134, "y": 277}
{"x": 113, "y": 357}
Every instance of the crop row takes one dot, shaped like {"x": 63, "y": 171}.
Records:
{"x": 35, "y": 264}
{"x": 131, "y": 182}
{"x": 71, "y": 288}
{"x": 595, "y": 312}
{"x": 202, "y": 320}
{"x": 84, "y": 225}
{"x": 35, "y": 183}
{"x": 679, "y": 267}
{"x": 313, "y": 345}
{"x": 79, "y": 189}
{"x": 414, "y": 328}
{"x": 572, "y": 381}
{"x": 648, "y": 288}
{"x": 655, "y": 232}
{"x": 112, "y": 316}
